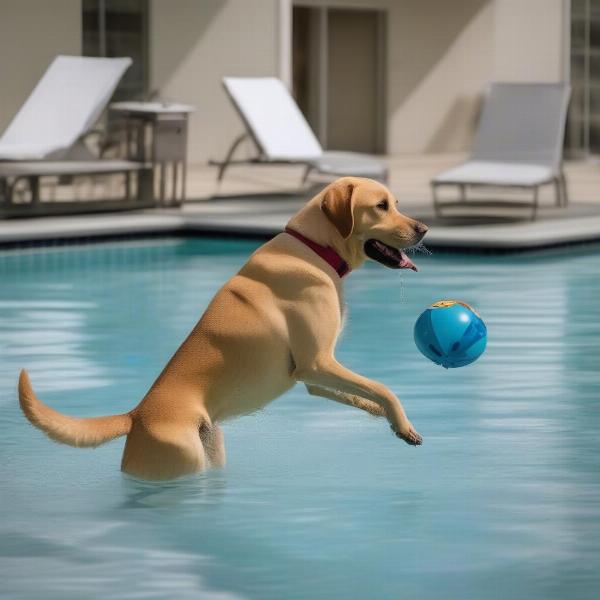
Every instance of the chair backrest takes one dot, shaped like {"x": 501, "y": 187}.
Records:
{"x": 273, "y": 118}
{"x": 65, "y": 103}
{"x": 523, "y": 123}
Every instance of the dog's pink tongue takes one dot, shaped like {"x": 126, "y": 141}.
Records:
{"x": 406, "y": 263}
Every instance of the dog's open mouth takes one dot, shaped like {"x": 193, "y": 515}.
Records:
{"x": 388, "y": 256}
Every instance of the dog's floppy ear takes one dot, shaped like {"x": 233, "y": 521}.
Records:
{"x": 338, "y": 206}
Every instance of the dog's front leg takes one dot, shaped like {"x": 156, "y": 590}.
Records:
{"x": 327, "y": 372}
{"x": 350, "y": 399}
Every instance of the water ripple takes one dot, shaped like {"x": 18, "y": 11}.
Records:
{"x": 318, "y": 500}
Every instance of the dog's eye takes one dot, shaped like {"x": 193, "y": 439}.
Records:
{"x": 383, "y": 205}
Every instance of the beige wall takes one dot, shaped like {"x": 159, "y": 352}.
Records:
{"x": 438, "y": 67}
{"x": 194, "y": 44}
{"x": 530, "y": 40}
{"x": 442, "y": 53}
{"x": 32, "y": 33}
{"x": 440, "y": 56}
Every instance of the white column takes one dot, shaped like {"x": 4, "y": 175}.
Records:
{"x": 285, "y": 42}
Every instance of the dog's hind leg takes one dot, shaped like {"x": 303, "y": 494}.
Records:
{"x": 161, "y": 452}
{"x": 214, "y": 446}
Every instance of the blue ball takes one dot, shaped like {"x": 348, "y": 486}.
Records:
{"x": 451, "y": 334}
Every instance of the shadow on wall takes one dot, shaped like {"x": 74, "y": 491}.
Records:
{"x": 464, "y": 110}
{"x": 435, "y": 96}
{"x": 195, "y": 44}
{"x": 183, "y": 36}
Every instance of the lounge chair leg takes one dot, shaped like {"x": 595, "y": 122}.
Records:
{"x": 10, "y": 191}
{"x": 463, "y": 192}
{"x": 3, "y": 191}
{"x": 34, "y": 182}
{"x": 223, "y": 166}
{"x": 145, "y": 187}
{"x": 309, "y": 169}
{"x": 565, "y": 194}
{"x": 558, "y": 191}
{"x": 128, "y": 194}
{"x": 183, "y": 180}
{"x": 436, "y": 203}
{"x": 163, "y": 182}
{"x": 535, "y": 203}
{"x": 175, "y": 169}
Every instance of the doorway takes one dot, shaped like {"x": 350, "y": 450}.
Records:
{"x": 338, "y": 60}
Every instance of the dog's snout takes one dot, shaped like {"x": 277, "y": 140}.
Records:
{"x": 420, "y": 228}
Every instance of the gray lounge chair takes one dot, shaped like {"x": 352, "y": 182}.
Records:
{"x": 45, "y": 138}
{"x": 518, "y": 143}
{"x": 281, "y": 134}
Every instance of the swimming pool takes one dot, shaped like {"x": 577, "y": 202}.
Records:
{"x": 318, "y": 500}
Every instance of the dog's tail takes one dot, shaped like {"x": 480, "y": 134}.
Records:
{"x": 69, "y": 430}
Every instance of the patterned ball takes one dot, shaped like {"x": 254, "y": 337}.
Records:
{"x": 451, "y": 334}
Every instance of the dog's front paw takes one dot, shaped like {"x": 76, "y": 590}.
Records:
{"x": 408, "y": 433}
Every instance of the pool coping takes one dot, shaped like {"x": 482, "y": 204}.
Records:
{"x": 521, "y": 236}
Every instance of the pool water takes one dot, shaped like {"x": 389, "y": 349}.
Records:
{"x": 318, "y": 500}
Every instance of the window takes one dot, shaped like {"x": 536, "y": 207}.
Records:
{"x": 119, "y": 28}
{"x": 583, "y": 127}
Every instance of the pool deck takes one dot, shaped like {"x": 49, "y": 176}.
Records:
{"x": 258, "y": 202}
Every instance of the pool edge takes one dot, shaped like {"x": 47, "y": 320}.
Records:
{"x": 97, "y": 228}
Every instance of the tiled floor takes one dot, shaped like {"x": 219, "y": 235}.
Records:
{"x": 259, "y": 200}
{"x": 409, "y": 178}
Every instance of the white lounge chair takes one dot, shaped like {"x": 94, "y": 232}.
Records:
{"x": 282, "y": 135}
{"x": 44, "y": 138}
{"x": 518, "y": 143}
{"x": 63, "y": 106}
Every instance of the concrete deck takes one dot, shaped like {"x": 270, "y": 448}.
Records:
{"x": 270, "y": 197}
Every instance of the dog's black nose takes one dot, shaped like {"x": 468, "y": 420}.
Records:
{"x": 420, "y": 228}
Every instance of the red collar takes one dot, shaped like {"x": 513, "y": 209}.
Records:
{"x": 327, "y": 253}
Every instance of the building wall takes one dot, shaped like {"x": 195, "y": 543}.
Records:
{"x": 194, "y": 44}
{"x": 440, "y": 58}
{"x": 32, "y": 33}
{"x": 441, "y": 55}
{"x": 530, "y": 40}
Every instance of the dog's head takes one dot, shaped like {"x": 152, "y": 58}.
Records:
{"x": 365, "y": 214}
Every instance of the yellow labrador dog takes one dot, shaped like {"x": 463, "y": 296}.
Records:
{"x": 273, "y": 324}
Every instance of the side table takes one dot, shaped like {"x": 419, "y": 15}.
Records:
{"x": 157, "y": 133}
